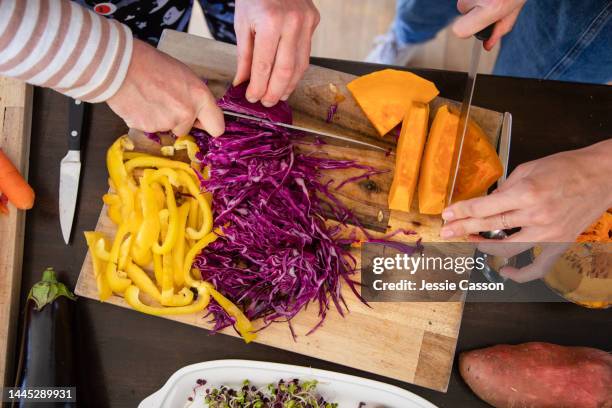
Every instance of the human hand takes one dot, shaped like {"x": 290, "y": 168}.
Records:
{"x": 161, "y": 93}
{"x": 552, "y": 200}
{"x": 479, "y": 14}
{"x": 273, "y": 39}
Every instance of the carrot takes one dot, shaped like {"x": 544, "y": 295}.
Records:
{"x": 16, "y": 189}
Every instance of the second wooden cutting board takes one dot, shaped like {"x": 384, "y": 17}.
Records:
{"x": 412, "y": 342}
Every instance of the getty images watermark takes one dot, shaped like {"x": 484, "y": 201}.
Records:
{"x": 441, "y": 272}
{"x": 426, "y": 265}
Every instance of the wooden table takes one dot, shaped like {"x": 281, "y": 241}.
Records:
{"x": 124, "y": 356}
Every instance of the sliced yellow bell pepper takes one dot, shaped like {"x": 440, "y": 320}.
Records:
{"x": 156, "y": 162}
{"x": 132, "y": 298}
{"x": 204, "y": 205}
{"x": 101, "y": 250}
{"x": 243, "y": 324}
{"x": 117, "y": 279}
{"x": 187, "y": 143}
{"x": 172, "y": 233}
{"x": 193, "y": 252}
{"x": 160, "y": 197}
{"x": 158, "y": 269}
{"x": 178, "y": 252}
{"x": 113, "y": 202}
{"x": 143, "y": 281}
{"x": 149, "y": 228}
{"x": 104, "y": 290}
{"x": 166, "y": 273}
{"x": 121, "y": 182}
{"x": 124, "y": 253}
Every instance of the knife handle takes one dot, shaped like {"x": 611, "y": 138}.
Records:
{"x": 485, "y": 33}
{"x": 76, "y": 114}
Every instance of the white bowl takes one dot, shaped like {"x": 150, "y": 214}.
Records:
{"x": 346, "y": 390}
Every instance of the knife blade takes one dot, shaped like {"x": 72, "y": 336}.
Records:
{"x": 317, "y": 133}
{"x": 466, "y": 104}
{"x": 70, "y": 168}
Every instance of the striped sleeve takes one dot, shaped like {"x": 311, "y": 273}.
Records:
{"x": 61, "y": 45}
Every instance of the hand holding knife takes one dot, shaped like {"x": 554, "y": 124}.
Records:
{"x": 70, "y": 168}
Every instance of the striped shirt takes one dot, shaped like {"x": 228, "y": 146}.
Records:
{"x": 61, "y": 45}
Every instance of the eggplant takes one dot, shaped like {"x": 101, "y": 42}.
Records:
{"x": 46, "y": 349}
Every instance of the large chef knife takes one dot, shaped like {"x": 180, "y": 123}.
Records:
{"x": 466, "y": 104}
{"x": 306, "y": 131}
{"x": 70, "y": 168}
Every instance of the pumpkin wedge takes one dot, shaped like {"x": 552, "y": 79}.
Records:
{"x": 479, "y": 167}
{"x": 384, "y": 96}
{"x": 437, "y": 162}
{"x": 583, "y": 274}
{"x": 408, "y": 156}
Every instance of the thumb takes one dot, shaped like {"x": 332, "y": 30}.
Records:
{"x": 210, "y": 118}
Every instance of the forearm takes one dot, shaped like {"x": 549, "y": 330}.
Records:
{"x": 61, "y": 45}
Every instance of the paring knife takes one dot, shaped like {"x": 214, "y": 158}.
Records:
{"x": 70, "y": 168}
{"x": 307, "y": 131}
{"x": 466, "y": 104}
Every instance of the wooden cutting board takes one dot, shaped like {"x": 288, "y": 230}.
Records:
{"x": 15, "y": 121}
{"x": 412, "y": 342}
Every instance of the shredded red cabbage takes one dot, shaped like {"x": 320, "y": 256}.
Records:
{"x": 276, "y": 254}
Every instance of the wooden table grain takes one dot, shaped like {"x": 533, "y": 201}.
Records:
{"x": 123, "y": 356}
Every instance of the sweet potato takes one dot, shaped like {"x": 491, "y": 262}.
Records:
{"x": 539, "y": 375}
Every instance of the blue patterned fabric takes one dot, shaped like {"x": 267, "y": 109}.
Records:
{"x": 148, "y": 18}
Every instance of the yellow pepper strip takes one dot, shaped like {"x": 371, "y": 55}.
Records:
{"x": 160, "y": 197}
{"x": 157, "y": 162}
{"x": 104, "y": 290}
{"x": 166, "y": 274}
{"x": 100, "y": 249}
{"x": 167, "y": 281}
{"x": 149, "y": 229}
{"x": 158, "y": 268}
{"x": 135, "y": 220}
{"x": 207, "y": 222}
{"x": 193, "y": 218}
{"x": 113, "y": 202}
{"x": 124, "y": 253}
{"x": 243, "y": 324}
{"x": 187, "y": 143}
{"x": 193, "y": 252}
{"x": 178, "y": 252}
{"x": 143, "y": 281}
{"x": 170, "y": 238}
{"x": 168, "y": 297}
{"x": 121, "y": 182}
{"x": 116, "y": 279}
{"x": 132, "y": 298}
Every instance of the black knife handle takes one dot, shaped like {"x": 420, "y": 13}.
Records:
{"x": 76, "y": 115}
{"x": 485, "y": 33}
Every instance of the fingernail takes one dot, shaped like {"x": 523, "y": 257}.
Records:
{"x": 446, "y": 233}
{"x": 448, "y": 215}
{"x": 251, "y": 99}
{"x": 285, "y": 97}
{"x": 267, "y": 104}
